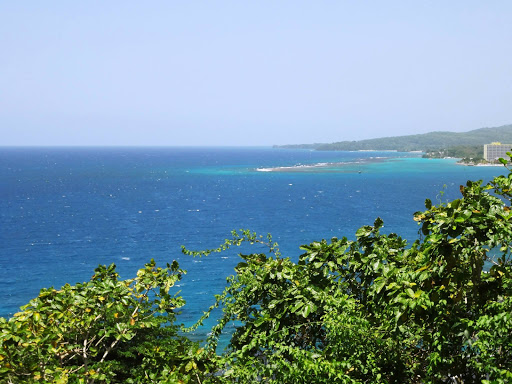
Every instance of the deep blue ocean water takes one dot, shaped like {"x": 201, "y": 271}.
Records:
{"x": 66, "y": 210}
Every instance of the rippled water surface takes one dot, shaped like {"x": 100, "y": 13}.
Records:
{"x": 66, "y": 210}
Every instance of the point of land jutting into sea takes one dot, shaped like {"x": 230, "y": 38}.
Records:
{"x": 482, "y": 146}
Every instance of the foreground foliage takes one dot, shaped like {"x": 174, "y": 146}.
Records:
{"x": 106, "y": 330}
{"x": 371, "y": 310}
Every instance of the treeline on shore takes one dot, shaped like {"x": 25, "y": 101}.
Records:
{"x": 467, "y": 153}
{"x": 421, "y": 142}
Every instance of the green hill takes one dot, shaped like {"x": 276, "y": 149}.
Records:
{"x": 421, "y": 142}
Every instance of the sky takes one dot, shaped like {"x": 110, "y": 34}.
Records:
{"x": 250, "y": 73}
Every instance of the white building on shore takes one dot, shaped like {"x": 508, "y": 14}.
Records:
{"x": 493, "y": 151}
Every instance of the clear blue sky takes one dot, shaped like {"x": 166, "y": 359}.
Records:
{"x": 250, "y": 72}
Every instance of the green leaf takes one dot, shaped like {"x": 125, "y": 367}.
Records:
{"x": 189, "y": 366}
{"x": 297, "y": 306}
{"x": 307, "y": 310}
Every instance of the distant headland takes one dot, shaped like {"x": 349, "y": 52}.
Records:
{"x": 467, "y": 146}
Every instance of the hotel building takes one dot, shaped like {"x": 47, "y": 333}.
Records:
{"x": 493, "y": 151}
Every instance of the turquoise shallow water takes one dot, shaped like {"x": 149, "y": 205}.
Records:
{"x": 66, "y": 210}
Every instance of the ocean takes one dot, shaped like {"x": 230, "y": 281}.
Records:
{"x": 66, "y": 210}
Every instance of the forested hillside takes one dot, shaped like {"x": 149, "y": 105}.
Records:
{"x": 420, "y": 142}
